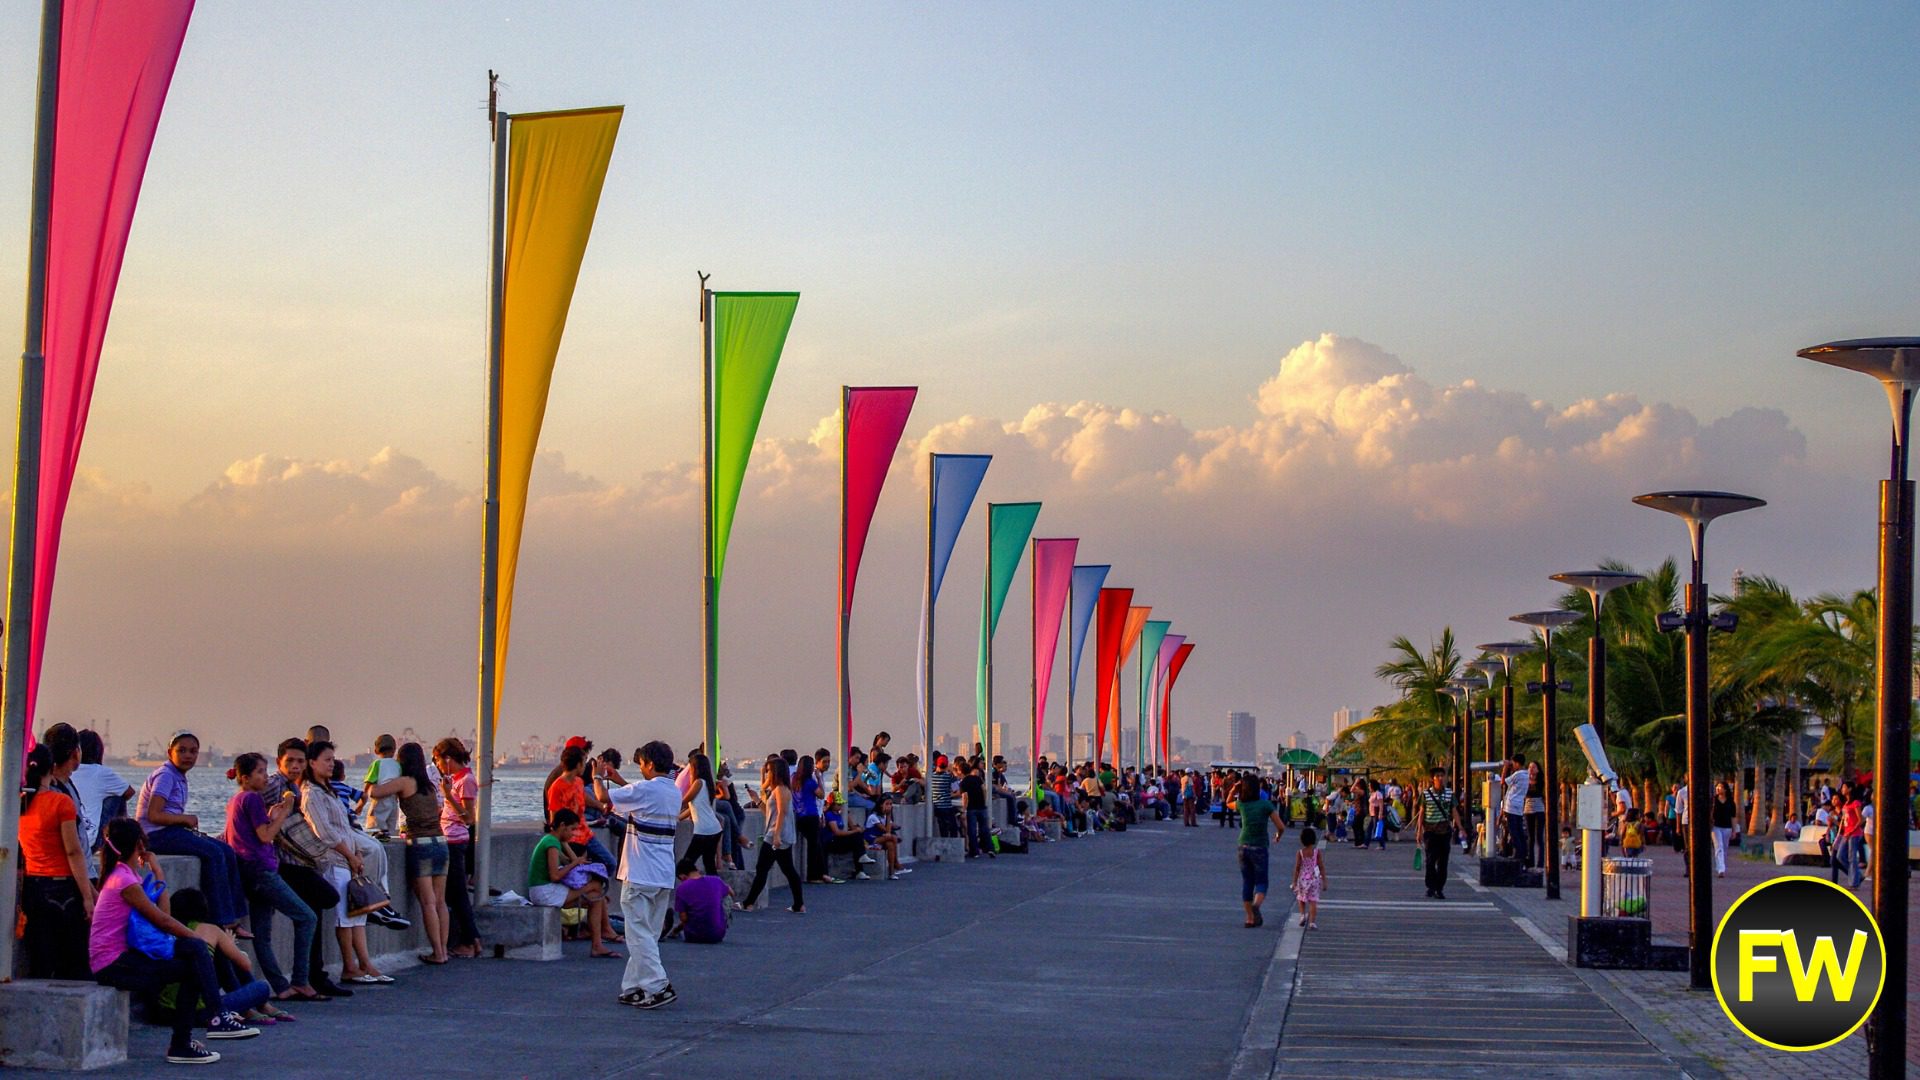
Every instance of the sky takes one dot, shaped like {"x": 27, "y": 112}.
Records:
{"x": 1321, "y": 325}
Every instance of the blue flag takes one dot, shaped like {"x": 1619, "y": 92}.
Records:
{"x": 1087, "y": 581}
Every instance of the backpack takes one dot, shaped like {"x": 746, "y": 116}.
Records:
{"x": 1631, "y": 836}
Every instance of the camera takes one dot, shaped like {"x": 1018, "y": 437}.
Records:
{"x": 1596, "y": 754}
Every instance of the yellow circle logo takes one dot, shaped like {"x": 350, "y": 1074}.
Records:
{"x": 1798, "y": 963}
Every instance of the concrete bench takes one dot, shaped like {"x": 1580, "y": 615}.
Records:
{"x": 55, "y": 1024}
{"x": 520, "y": 932}
{"x": 940, "y": 848}
{"x": 1056, "y": 829}
{"x": 1786, "y": 852}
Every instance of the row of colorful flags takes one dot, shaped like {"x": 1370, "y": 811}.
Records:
{"x": 106, "y": 67}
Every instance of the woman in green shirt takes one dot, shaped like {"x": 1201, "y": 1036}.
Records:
{"x": 1257, "y": 819}
{"x": 547, "y": 874}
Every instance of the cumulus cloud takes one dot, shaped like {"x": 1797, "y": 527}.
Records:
{"x": 1347, "y": 480}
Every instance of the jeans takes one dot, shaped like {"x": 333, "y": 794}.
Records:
{"x": 219, "y": 870}
{"x": 978, "y": 832}
{"x": 770, "y": 857}
{"x": 268, "y": 892}
{"x": 191, "y": 966}
{"x": 701, "y": 849}
{"x": 946, "y": 821}
{"x": 1253, "y": 872}
{"x": 1439, "y": 843}
{"x": 1537, "y": 838}
{"x": 461, "y": 929}
{"x": 808, "y": 826}
{"x": 1515, "y": 844}
{"x": 644, "y": 907}
{"x": 1720, "y": 840}
{"x": 56, "y": 937}
{"x": 730, "y": 821}
{"x": 314, "y": 891}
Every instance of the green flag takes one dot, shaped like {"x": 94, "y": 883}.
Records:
{"x": 1009, "y": 526}
{"x": 1150, "y": 637}
{"x": 749, "y": 330}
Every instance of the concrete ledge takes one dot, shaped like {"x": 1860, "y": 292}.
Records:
{"x": 940, "y": 848}
{"x": 56, "y": 1024}
{"x": 1609, "y": 943}
{"x": 516, "y": 932}
{"x": 1056, "y": 829}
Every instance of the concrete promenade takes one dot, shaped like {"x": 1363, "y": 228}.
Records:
{"x": 1113, "y": 956}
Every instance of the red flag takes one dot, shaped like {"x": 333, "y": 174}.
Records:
{"x": 1110, "y": 624}
{"x": 872, "y": 419}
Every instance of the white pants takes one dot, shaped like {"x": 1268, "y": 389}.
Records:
{"x": 645, "y": 909}
{"x": 1721, "y": 837}
{"x": 338, "y": 876}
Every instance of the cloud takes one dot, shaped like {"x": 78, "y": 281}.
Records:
{"x": 1352, "y": 501}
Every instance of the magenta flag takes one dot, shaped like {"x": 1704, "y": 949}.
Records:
{"x": 1166, "y": 698}
{"x": 116, "y": 60}
{"x": 1168, "y": 646}
{"x": 1052, "y": 575}
{"x": 875, "y": 417}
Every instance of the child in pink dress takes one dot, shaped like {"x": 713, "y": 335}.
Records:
{"x": 1309, "y": 877}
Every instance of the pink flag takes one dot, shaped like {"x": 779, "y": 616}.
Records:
{"x": 1168, "y": 646}
{"x": 875, "y": 417}
{"x": 116, "y": 59}
{"x": 1166, "y": 698}
{"x": 1052, "y": 575}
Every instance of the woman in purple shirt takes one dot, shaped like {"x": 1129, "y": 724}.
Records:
{"x": 172, "y": 831}
{"x": 252, "y": 828}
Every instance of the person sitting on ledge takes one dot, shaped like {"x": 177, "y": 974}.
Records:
{"x": 558, "y": 877}
{"x": 882, "y": 834}
{"x": 162, "y": 812}
{"x": 841, "y": 839}
{"x": 859, "y": 793}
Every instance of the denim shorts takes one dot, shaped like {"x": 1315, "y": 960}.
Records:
{"x": 427, "y": 859}
{"x": 1253, "y": 871}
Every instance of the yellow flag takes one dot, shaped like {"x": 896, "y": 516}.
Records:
{"x": 556, "y": 163}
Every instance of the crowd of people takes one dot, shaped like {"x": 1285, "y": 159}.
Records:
{"x": 301, "y": 840}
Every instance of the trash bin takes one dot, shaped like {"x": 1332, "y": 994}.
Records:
{"x": 1625, "y": 888}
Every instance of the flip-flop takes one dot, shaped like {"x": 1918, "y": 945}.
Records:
{"x": 606, "y": 956}
{"x": 383, "y": 979}
{"x": 429, "y": 960}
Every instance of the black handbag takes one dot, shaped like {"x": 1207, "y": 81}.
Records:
{"x": 365, "y": 894}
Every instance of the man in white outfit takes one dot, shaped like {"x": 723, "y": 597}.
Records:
{"x": 652, "y": 809}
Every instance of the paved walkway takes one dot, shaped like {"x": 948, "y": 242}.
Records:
{"x": 1393, "y": 984}
{"x": 1115, "y": 956}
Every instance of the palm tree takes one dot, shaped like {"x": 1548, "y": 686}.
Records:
{"x": 1417, "y": 728}
{"x": 1759, "y": 700}
{"x": 1827, "y": 657}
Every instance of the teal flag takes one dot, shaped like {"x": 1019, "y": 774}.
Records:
{"x": 1009, "y": 527}
{"x": 1151, "y": 636}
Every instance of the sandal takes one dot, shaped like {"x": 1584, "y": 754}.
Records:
{"x": 428, "y": 959}
{"x": 293, "y": 994}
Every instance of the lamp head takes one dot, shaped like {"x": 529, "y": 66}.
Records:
{"x": 1507, "y": 650}
{"x": 1697, "y": 508}
{"x": 1598, "y": 583}
{"x": 1548, "y": 621}
{"x": 1895, "y": 361}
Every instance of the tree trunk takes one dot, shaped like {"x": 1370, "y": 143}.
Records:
{"x": 1793, "y": 768}
{"x": 1766, "y": 809}
{"x": 1739, "y": 795}
{"x": 1846, "y": 742}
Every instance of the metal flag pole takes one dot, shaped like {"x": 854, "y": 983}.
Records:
{"x": 987, "y": 628}
{"x": 26, "y": 477}
{"x": 1033, "y": 678}
{"x": 843, "y": 716}
{"x": 926, "y": 615}
{"x": 490, "y": 543}
{"x": 709, "y": 588}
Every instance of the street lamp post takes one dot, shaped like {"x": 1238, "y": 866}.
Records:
{"x": 1463, "y": 794}
{"x": 1697, "y": 508}
{"x": 1597, "y": 584}
{"x": 1493, "y": 786}
{"x": 1896, "y": 363}
{"x": 1506, "y": 651}
{"x": 1546, "y": 622}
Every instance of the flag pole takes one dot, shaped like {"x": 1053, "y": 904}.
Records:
{"x": 1033, "y": 677}
{"x": 843, "y": 716}
{"x": 986, "y": 633}
{"x": 926, "y": 661}
{"x": 26, "y": 476}
{"x": 490, "y": 532}
{"x": 709, "y": 588}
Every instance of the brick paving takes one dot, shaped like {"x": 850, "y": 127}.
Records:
{"x": 1692, "y": 1019}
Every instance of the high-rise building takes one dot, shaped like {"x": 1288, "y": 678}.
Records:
{"x": 999, "y": 740}
{"x": 1056, "y": 745}
{"x": 1240, "y": 736}
{"x": 1082, "y": 746}
{"x": 948, "y": 743}
{"x": 1345, "y": 717}
{"x": 1204, "y": 753}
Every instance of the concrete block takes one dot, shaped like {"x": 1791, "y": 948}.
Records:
{"x": 1055, "y": 828}
{"x": 1609, "y": 943}
{"x": 940, "y": 848}
{"x": 518, "y": 932}
{"x": 56, "y": 1024}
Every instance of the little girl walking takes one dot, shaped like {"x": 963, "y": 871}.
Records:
{"x": 1309, "y": 877}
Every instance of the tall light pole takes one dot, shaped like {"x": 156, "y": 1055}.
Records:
{"x": 1506, "y": 651}
{"x": 1468, "y": 684}
{"x": 1896, "y": 363}
{"x": 1546, "y": 622}
{"x": 1495, "y": 789}
{"x": 1461, "y": 690}
{"x": 1697, "y": 508}
{"x": 1597, "y": 584}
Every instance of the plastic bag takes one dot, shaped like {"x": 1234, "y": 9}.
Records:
{"x": 142, "y": 934}
{"x": 1417, "y": 856}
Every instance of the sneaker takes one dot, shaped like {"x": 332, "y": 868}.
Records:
{"x": 194, "y": 1054}
{"x": 633, "y": 997}
{"x": 893, "y": 877}
{"x": 831, "y": 880}
{"x": 866, "y": 860}
{"x": 663, "y": 996}
{"x": 863, "y": 876}
{"x": 228, "y": 1025}
{"x": 389, "y": 920}
{"x": 906, "y": 870}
